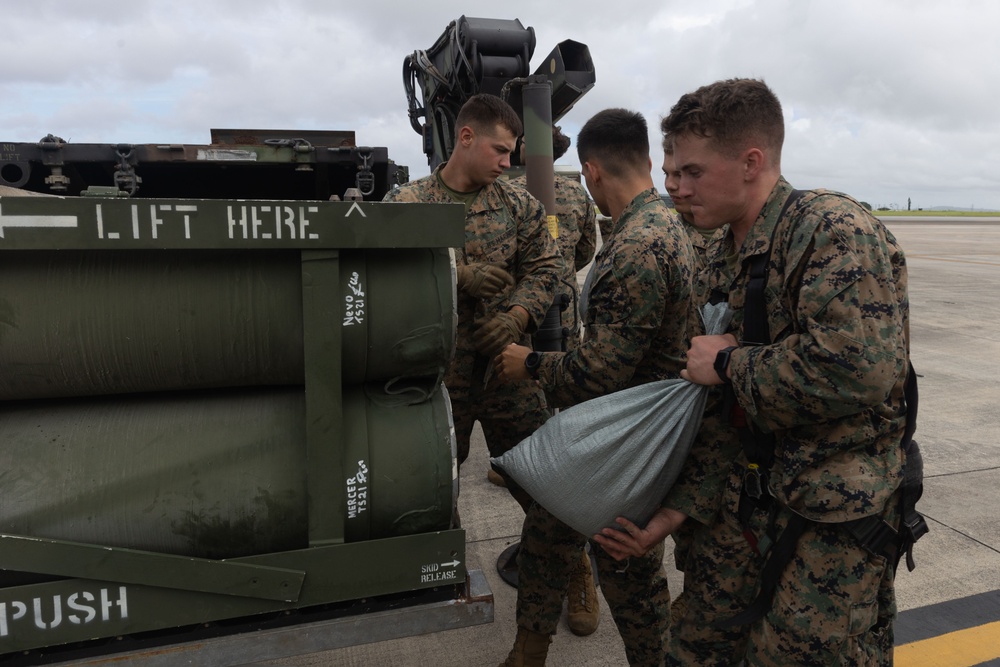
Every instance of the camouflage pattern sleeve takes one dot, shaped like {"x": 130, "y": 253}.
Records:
{"x": 637, "y": 312}
{"x": 702, "y": 480}
{"x": 392, "y": 195}
{"x": 411, "y": 192}
{"x": 627, "y": 300}
{"x": 831, "y": 385}
{"x": 578, "y": 205}
{"x": 702, "y": 241}
{"x": 900, "y": 280}
{"x": 848, "y": 348}
{"x": 504, "y": 226}
{"x": 535, "y": 262}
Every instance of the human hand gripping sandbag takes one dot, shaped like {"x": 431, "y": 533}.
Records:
{"x": 616, "y": 455}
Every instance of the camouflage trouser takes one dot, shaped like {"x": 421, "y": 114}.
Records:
{"x": 635, "y": 589}
{"x": 501, "y": 434}
{"x": 508, "y": 413}
{"x": 833, "y": 605}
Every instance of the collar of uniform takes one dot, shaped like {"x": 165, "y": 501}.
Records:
{"x": 488, "y": 198}
{"x": 642, "y": 199}
{"x": 758, "y": 239}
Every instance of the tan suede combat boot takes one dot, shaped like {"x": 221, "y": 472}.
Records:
{"x": 530, "y": 649}
{"x": 495, "y": 478}
{"x": 583, "y": 612}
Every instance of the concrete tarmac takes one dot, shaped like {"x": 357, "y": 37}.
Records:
{"x": 954, "y": 270}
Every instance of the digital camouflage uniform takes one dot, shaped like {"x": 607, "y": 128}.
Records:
{"x": 831, "y": 390}
{"x": 577, "y": 237}
{"x": 504, "y": 226}
{"x": 704, "y": 243}
{"x": 702, "y": 240}
{"x": 636, "y": 331}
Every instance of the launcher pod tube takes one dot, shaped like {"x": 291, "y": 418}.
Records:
{"x": 83, "y": 323}
{"x": 218, "y": 474}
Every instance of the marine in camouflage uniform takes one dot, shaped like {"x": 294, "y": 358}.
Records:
{"x": 830, "y": 389}
{"x": 504, "y": 227}
{"x": 636, "y": 322}
{"x": 700, "y": 240}
{"x": 576, "y": 236}
{"x": 704, "y": 242}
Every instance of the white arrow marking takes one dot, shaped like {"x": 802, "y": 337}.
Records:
{"x": 36, "y": 221}
{"x": 355, "y": 207}
{"x": 453, "y": 563}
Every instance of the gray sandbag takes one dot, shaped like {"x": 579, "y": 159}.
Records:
{"x": 616, "y": 455}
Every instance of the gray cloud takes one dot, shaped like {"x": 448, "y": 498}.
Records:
{"x": 884, "y": 100}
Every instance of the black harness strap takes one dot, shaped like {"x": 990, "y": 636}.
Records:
{"x": 758, "y": 447}
{"x": 912, "y": 524}
{"x": 755, "y": 329}
{"x": 777, "y": 559}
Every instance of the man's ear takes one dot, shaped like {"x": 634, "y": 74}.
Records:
{"x": 753, "y": 163}
{"x": 465, "y": 135}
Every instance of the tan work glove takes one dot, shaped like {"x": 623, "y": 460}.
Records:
{"x": 481, "y": 280}
{"x": 493, "y": 335}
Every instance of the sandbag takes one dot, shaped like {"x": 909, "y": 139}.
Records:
{"x": 616, "y": 455}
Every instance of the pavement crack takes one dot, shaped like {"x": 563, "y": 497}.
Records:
{"x": 963, "y": 534}
{"x": 962, "y": 472}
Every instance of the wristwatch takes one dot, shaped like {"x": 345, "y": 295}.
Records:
{"x": 721, "y": 364}
{"x": 531, "y": 363}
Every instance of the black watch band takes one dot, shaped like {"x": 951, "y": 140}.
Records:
{"x": 721, "y": 364}
{"x": 531, "y": 363}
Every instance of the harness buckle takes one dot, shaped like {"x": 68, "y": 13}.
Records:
{"x": 751, "y": 482}
{"x": 874, "y": 535}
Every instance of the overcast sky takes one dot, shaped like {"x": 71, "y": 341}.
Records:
{"x": 886, "y": 100}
